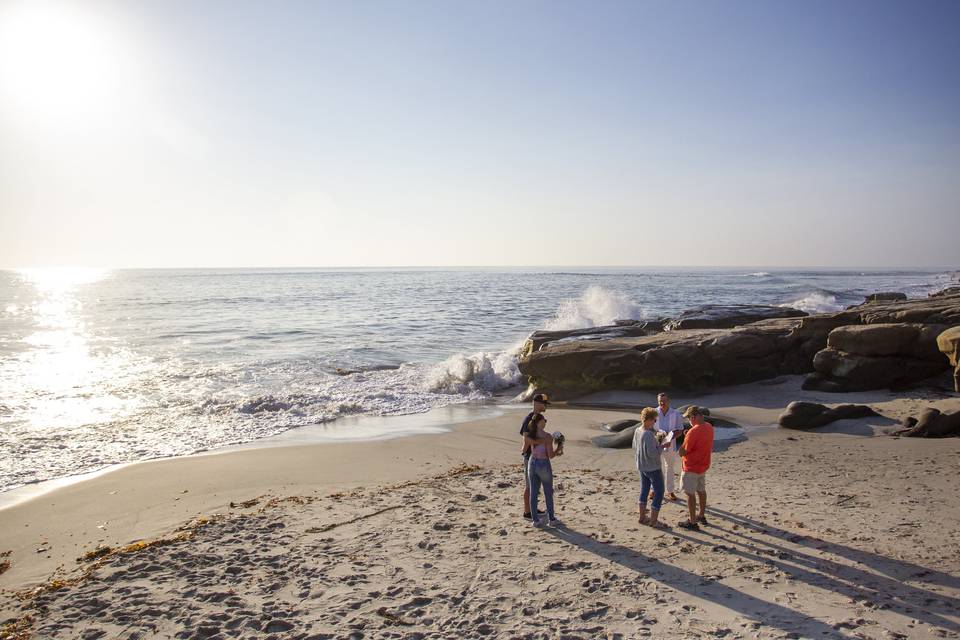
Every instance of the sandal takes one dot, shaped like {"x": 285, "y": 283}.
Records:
{"x": 659, "y": 525}
{"x": 689, "y": 526}
{"x": 703, "y": 520}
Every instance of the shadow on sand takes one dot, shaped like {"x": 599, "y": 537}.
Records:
{"x": 884, "y": 589}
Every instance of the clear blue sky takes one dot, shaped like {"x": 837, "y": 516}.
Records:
{"x": 495, "y": 133}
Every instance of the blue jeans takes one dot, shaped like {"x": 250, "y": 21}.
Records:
{"x": 541, "y": 473}
{"x": 654, "y": 478}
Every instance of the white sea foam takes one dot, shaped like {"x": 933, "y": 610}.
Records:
{"x": 816, "y": 302}
{"x": 596, "y": 307}
{"x": 476, "y": 373}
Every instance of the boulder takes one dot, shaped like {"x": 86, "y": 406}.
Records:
{"x": 913, "y": 340}
{"x": 810, "y": 415}
{"x": 716, "y": 316}
{"x": 948, "y": 343}
{"x": 621, "y": 440}
{"x": 886, "y": 295}
{"x": 619, "y": 425}
{"x": 877, "y": 356}
{"x": 840, "y": 371}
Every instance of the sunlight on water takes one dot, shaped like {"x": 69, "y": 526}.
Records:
{"x": 64, "y": 378}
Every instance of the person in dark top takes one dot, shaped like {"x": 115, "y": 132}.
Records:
{"x": 540, "y": 403}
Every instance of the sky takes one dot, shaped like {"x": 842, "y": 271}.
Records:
{"x": 432, "y": 133}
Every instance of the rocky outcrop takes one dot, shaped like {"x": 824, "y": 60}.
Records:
{"x": 862, "y": 354}
{"x": 948, "y": 343}
{"x": 931, "y": 424}
{"x": 690, "y": 359}
{"x": 619, "y": 425}
{"x": 715, "y": 316}
{"x": 619, "y": 440}
{"x": 886, "y": 295}
{"x": 877, "y": 356}
{"x": 949, "y": 291}
{"x": 623, "y": 329}
{"x": 810, "y": 415}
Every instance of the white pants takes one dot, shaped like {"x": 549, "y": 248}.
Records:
{"x": 670, "y": 461}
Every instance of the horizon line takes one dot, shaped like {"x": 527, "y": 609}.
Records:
{"x": 467, "y": 267}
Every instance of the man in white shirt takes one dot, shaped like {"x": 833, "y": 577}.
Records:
{"x": 669, "y": 420}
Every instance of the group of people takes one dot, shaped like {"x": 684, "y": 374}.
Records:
{"x": 661, "y": 444}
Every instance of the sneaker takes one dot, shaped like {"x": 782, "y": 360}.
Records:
{"x": 689, "y": 526}
{"x": 527, "y": 515}
{"x": 555, "y": 522}
{"x": 703, "y": 520}
{"x": 536, "y": 523}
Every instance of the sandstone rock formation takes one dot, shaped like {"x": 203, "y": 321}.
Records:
{"x": 886, "y": 295}
{"x": 716, "y": 316}
{"x": 810, "y": 415}
{"x": 639, "y": 356}
{"x": 622, "y": 329}
{"x": 875, "y": 356}
{"x": 949, "y": 291}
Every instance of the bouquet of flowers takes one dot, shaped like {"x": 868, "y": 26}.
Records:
{"x": 558, "y": 439}
{"x": 660, "y": 436}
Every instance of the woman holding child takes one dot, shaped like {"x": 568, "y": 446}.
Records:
{"x": 647, "y": 450}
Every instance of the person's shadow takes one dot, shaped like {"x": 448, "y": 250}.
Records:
{"x": 885, "y": 586}
{"x": 768, "y": 613}
{"x": 885, "y": 591}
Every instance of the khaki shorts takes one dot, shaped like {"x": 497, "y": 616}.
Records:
{"x": 693, "y": 482}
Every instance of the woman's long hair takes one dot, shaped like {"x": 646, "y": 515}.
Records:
{"x": 533, "y": 429}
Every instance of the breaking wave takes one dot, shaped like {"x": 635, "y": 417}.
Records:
{"x": 816, "y": 302}
{"x": 477, "y": 373}
{"x": 596, "y": 307}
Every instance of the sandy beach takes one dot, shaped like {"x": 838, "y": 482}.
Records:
{"x": 842, "y": 532}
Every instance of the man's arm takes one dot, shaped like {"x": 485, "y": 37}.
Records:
{"x": 689, "y": 444}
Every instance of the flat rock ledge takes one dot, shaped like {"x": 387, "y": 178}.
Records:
{"x": 878, "y": 344}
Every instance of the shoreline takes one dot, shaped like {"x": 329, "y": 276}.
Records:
{"x": 350, "y": 429}
{"x": 812, "y": 532}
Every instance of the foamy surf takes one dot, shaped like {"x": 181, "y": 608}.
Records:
{"x": 596, "y": 307}
{"x": 815, "y": 302}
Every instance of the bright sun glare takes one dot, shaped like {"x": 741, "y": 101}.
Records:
{"x": 59, "y": 61}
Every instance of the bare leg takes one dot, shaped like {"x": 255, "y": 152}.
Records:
{"x": 653, "y": 517}
{"x": 703, "y": 504}
{"x": 526, "y": 499}
{"x": 692, "y": 507}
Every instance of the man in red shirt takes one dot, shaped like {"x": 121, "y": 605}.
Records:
{"x": 695, "y": 451}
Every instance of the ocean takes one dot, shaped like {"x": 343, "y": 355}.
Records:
{"x": 101, "y": 367}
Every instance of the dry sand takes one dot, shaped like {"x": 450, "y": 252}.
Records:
{"x": 838, "y": 533}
